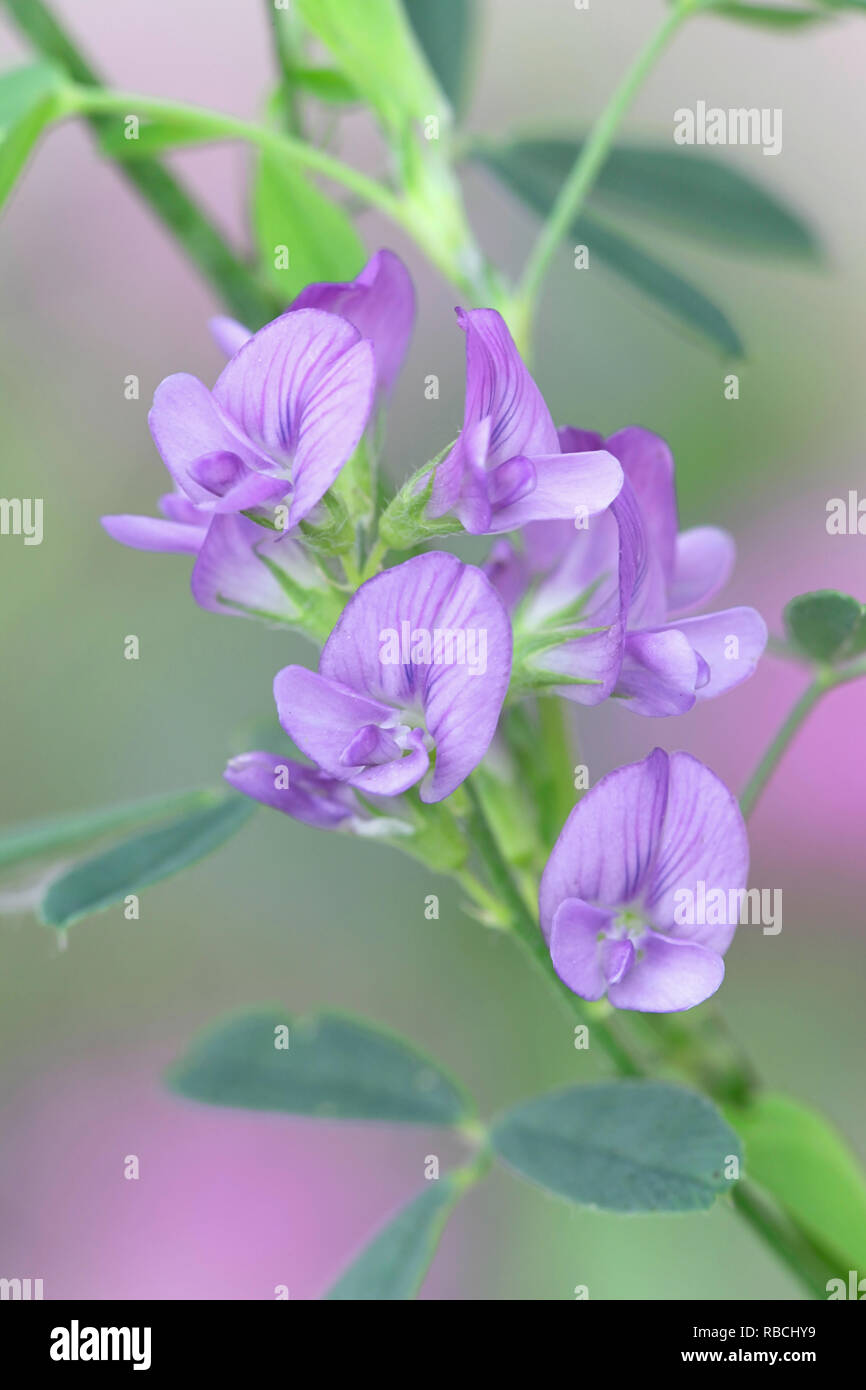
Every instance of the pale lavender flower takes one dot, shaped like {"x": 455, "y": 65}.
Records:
{"x": 379, "y": 302}
{"x": 305, "y": 793}
{"x": 507, "y": 467}
{"x": 417, "y": 665}
{"x": 614, "y": 596}
{"x": 285, "y": 415}
{"x": 646, "y": 839}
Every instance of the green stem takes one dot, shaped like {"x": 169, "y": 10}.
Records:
{"x": 784, "y": 1240}
{"x": 824, "y": 680}
{"x": 526, "y": 930}
{"x": 586, "y": 168}
{"x": 200, "y": 238}
{"x": 283, "y": 42}
{"x": 217, "y": 124}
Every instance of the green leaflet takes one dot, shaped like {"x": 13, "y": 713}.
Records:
{"x": 445, "y": 30}
{"x": 31, "y": 98}
{"x": 142, "y": 860}
{"x": 827, "y": 626}
{"x": 624, "y": 1146}
{"x": 44, "y": 837}
{"x": 807, "y": 1166}
{"x": 330, "y": 1065}
{"x": 395, "y": 1262}
{"x": 302, "y": 236}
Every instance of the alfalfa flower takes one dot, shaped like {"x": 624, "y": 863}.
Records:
{"x": 410, "y": 683}
{"x": 608, "y": 605}
{"x": 284, "y": 417}
{"x": 507, "y": 467}
{"x": 643, "y": 837}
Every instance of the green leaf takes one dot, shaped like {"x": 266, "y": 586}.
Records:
{"x": 326, "y": 84}
{"x": 395, "y": 1262}
{"x": 43, "y": 837}
{"x": 807, "y": 1166}
{"x": 690, "y": 193}
{"x": 31, "y": 98}
{"x": 288, "y": 210}
{"x": 621, "y": 1146}
{"x": 141, "y": 860}
{"x": 445, "y": 32}
{"x": 334, "y": 1067}
{"x": 677, "y": 296}
{"x": 768, "y": 16}
{"x": 537, "y": 186}
{"x": 823, "y": 624}
{"x": 374, "y": 47}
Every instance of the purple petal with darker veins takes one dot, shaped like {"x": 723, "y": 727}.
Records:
{"x": 667, "y": 977}
{"x": 607, "y": 846}
{"x": 456, "y": 680}
{"x": 154, "y": 533}
{"x": 228, "y": 334}
{"x": 301, "y": 389}
{"x": 380, "y": 303}
{"x": 499, "y": 385}
{"x": 575, "y": 948}
{"x": 703, "y": 840}
{"x": 649, "y": 466}
{"x": 703, "y": 563}
{"x": 311, "y": 796}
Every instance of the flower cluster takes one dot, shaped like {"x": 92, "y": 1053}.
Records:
{"x": 590, "y": 596}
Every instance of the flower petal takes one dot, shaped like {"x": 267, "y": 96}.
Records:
{"x": 703, "y": 562}
{"x": 310, "y": 796}
{"x": 385, "y": 645}
{"x": 187, "y": 425}
{"x": 380, "y": 303}
{"x": 703, "y": 841}
{"x": 649, "y": 466}
{"x": 322, "y": 716}
{"x": 301, "y": 389}
{"x": 659, "y": 674}
{"x": 667, "y": 977}
{"x": 231, "y": 574}
{"x": 154, "y": 533}
{"x": 567, "y": 486}
{"x": 575, "y": 948}
{"x": 731, "y": 643}
{"x": 607, "y": 846}
{"x": 228, "y": 334}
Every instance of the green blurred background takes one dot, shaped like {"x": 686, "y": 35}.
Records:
{"x": 92, "y": 291}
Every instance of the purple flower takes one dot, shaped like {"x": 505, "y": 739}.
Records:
{"x": 380, "y": 303}
{"x": 244, "y": 569}
{"x": 284, "y": 417}
{"x": 605, "y": 606}
{"x": 418, "y": 664}
{"x": 507, "y": 467}
{"x": 620, "y": 899}
{"x": 305, "y": 793}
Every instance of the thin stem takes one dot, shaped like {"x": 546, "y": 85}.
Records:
{"x": 783, "y": 1238}
{"x": 824, "y": 680}
{"x": 224, "y": 127}
{"x": 525, "y": 929}
{"x": 586, "y": 168}
{"x": 202, "y": 241}
{"x": 284, "y": 54}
